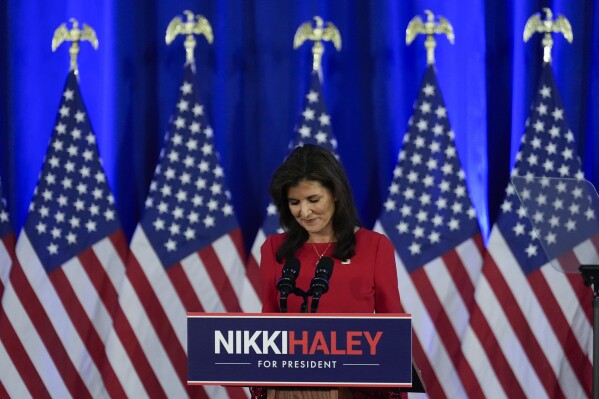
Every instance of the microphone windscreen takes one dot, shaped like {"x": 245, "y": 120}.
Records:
{"x": 325, "y": 265}
{"x": 292, "y": 265}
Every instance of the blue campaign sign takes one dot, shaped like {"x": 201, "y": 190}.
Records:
{"x": 286, "y": 349}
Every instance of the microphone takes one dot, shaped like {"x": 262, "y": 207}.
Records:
{"x": 320, "y": 282}
{"x": 286, "y": 283}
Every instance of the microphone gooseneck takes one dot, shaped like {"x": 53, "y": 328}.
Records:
{"x": 286, "y": 283}
{"x": 320, "y": 282}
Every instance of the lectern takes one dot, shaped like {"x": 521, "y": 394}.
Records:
{"x": 299, "y": 355}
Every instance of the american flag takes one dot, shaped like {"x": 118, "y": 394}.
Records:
{"x": 531, "y": 332}
{"x": 314, "y": 127}
{"x": 186, "y": 256}
{"x": 61, "y": 291}
{"x": 430, "y": 219}
{"x": 7, "y": 255}
{"x": 7, "y": 243}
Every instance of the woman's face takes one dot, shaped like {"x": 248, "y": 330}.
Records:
{"x": 313, "y": 206}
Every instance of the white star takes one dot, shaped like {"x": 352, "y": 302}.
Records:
{"x": 389, "y": 205}
{"x": 454, "y": 224}
{"x": 312, "y": 96}
{"x": 79, "y": 116}
{"x": 68, "y": 94}
{"x": 178, "y": 213}
{"x": 109, "y": 214}
{"x": 71, "y": 238}
{"x": 64, "y": 111}
{"x": 158, "y": 224}
{"x": 179, "y": 122}
{"x": 570, "y": 225}
{"x": 40, "y": 227}
{"x": 414, "y": 248}
{"x": 308, "y": 114}
{"x": 531, "y": 250}
{"x": 428, "y": 90}
{"x": 425, "y": 107}
{"x": 183, "y": 105}
{"x": 422, "y": 125}
{"x": 61, "y": 128}
{"x": 189, "y": 233}
{"x": 324, "y": 119}
{"x": 545, "y": 91}
{"x": 56, "y": 232}
{"x": 539, "y": 126}
{"x": 170, "y": 245}
{"x": 434, "y": 237}
{"x": 402, "y": 227}
{"x": 227, "y": 210}
{"x": 304, "y": 131}
{"x": 209, "y": 221}
{"x": 186, "y": 88}
{"x": 441, "y": 112}
{"x": 558, "y": 114}
{"x": 53, "y": 249}
{"x": 198, "y": 110}
{"x": 175, "y": 229}
{"x": 271, "y": 209}
{"x": 193, "y": 217}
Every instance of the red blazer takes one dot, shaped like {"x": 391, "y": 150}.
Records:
{"x": 367, "y": 284}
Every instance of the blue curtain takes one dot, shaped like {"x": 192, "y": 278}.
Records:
{"x": 252, "y": 83}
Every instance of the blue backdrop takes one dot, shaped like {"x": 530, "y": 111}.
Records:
{"x": 252, "y": 83}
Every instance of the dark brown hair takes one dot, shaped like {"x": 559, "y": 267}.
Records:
{"x": 314, "y": 163}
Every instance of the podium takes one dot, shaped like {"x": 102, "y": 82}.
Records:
{"x": 302, "y": 356}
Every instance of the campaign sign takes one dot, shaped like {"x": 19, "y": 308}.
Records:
{"x": 298, "y": 349}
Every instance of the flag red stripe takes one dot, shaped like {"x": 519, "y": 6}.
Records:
{"x": 445, "y": 329}
{"x": 184, "y": 288}
{"x": 427, "y": 371}
{"x": 82, "y": 323}
{"x": 20, "y": 358}
{"x": 9, "y": 244}
{"x": 219, "y": 278}
{"x": 253, "y": 274}
{"x": 519, "y": 324}
{"x": 252, "y": 271}
{"x": 496, "y": 357}
{"x": 100, "y": 280}
{"x": 157, "y": 316}
{"x": 460, "y": 277}
{"x": 236, "y": 393}
{"x": 138, "y": 358}
{"x": 3, "y": 393}
{"x": 197, "y": 392}
{"x": 583, "y": 295}
{"x": 580, "y": 364}
{"x": 46, "y": 331}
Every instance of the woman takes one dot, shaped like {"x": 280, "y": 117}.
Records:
{"x": 317, "y": 213}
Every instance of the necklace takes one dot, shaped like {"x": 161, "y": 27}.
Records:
{"x": 323, "y": 252}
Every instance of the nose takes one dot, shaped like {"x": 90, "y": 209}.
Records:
{"x": 304, "y": 209}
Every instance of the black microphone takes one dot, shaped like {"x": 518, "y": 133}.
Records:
{"x": 286, "y": 283}
{"x": 320, "y": 282}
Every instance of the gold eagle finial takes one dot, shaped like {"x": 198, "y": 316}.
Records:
{"x": 75, "y": 35}
{"x": 317, "y": 34}
{"x": 194, "y": 25}
{"x": 429, "y": 28}
{"x": 547, "y": 26}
